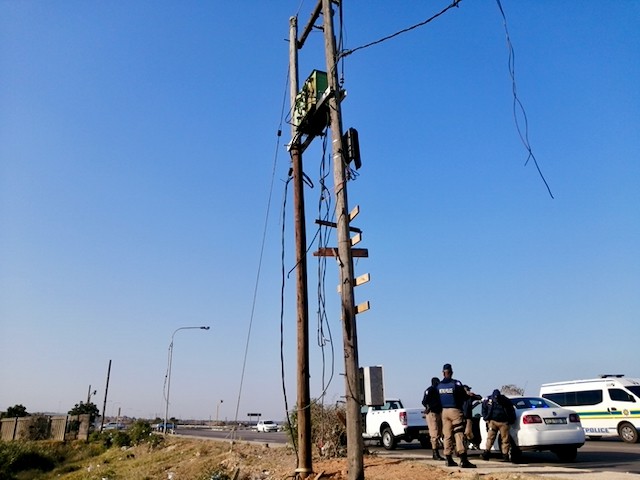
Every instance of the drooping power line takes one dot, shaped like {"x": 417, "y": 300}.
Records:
{"x": 345, "y": 53}
{"x": 523, "y": 131}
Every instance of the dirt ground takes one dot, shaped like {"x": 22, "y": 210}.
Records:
{"x": 259, "y": 462}
{"x": 198, "y": 459}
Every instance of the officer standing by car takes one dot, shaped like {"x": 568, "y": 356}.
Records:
{"x": 498, "y": 413}
{"x": 433, "y": 410}
{"x": 452, "y": 397}
{"x": 467, "y": 412}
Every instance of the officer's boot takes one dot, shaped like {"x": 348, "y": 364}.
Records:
{"x": 450, "y": 461}
{"x": 436, "y": 455}
{"x": 505, "y": 457}
{"x": 464, "y": 462}
{"x": 486, "y": 455}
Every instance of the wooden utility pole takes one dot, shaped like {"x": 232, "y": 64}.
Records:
{"x": 106, "y": 391}
{"x": 304, "y": 400}
{"x": 314, "y": 108}
{"x": 355, "y": 462}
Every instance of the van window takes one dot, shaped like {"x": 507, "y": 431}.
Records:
{"x": 635, "y": 389}
{"x": 576, "y": 399}
{"x": 620, "y": 395}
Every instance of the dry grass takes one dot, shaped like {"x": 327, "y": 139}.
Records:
{"x": 194, "y": 459}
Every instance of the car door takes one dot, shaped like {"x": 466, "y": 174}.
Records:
{"x": 621, "y": 403}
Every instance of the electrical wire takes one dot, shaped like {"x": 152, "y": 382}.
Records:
{"x": 264, "y": 236}
{"x": 282, "y": 285}
{"x": 517, "y": 104}
{"x": 300, "y": 7}
{"x": 324, "y": 212}
{"x": 405, "y": 30}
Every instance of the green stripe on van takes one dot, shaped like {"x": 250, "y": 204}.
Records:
{"x": 604, "y": 414}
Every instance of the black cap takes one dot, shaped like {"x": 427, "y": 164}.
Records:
{"x": 447, "y": 366}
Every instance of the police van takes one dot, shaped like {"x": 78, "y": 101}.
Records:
{"x": 608, "y": 405}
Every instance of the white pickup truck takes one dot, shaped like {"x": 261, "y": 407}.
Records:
{"x": 391, "y": 422}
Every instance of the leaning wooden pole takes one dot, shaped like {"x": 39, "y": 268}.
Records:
{"x": 304, "y": 397}
{"x": 106, "y": 392}
{"x": 345, "y": 258}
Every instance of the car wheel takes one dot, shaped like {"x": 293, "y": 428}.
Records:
{"x": 628, "y": 432}
{"x": 388, "y": 439}
{"x": 425, "y": 442}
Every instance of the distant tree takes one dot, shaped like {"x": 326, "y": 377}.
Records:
{"x": 39, "y": 426}
{"x": 512, "y": 390}
{"x": 15, "y": 411}
{"x": 82, "y": 408}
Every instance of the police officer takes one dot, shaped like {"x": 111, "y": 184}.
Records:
{"x": 433, "y": 409}
{"x": 467, "y": 412}
{"x": 452, "y": 397}
{"x": 499, "y": 413}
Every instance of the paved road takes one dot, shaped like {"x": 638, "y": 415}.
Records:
{"x": 244, "y": 435}
{"x": 601, "y": 456}
{"x": 597, "y": 456}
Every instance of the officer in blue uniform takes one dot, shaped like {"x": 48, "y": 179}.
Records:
{"x": 452, "y": 397}
{"x": 499, "y": 413}
{"x": 433, "y": 410}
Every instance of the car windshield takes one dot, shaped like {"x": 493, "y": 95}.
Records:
{"x": 522, "y": 403}
{"x": 268, "y": 422}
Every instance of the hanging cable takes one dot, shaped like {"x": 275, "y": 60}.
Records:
{"x": 300, "y": 7}
{"x": 324, "y": 336}
{"x": 264, "y": 236}
{"x": 341, "y": 44}
{"x": 345, "y": 53}
{"x": 324, "y": 212}
{"x": 282, "y": 285}
{"x": 517, "y": 104}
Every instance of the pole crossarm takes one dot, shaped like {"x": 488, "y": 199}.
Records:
{"x": 326, "y": 223}
{"x": 333, "y": 252}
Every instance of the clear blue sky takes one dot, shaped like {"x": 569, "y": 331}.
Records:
{"x": 137, "y": 150}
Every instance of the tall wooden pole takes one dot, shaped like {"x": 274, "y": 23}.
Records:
{"x": 345, "y": 258}
{"x": 106, "y": 391}
{"x": 304, "y": 400}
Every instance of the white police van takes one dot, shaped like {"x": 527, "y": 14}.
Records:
{"x": 608, "y": 405}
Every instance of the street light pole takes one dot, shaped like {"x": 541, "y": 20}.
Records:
{"x": 166, "y": 408}
{"x": 217, "y": 410}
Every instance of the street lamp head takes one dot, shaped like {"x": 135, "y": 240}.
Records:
{"x": 205, "y": 328}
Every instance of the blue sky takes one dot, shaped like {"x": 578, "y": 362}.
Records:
{"x": 138, "y": 154}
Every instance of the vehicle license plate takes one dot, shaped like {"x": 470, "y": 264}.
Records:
{"x": 550, "y": 421}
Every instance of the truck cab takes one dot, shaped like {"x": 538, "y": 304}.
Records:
{"x": 390, "y": 423}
